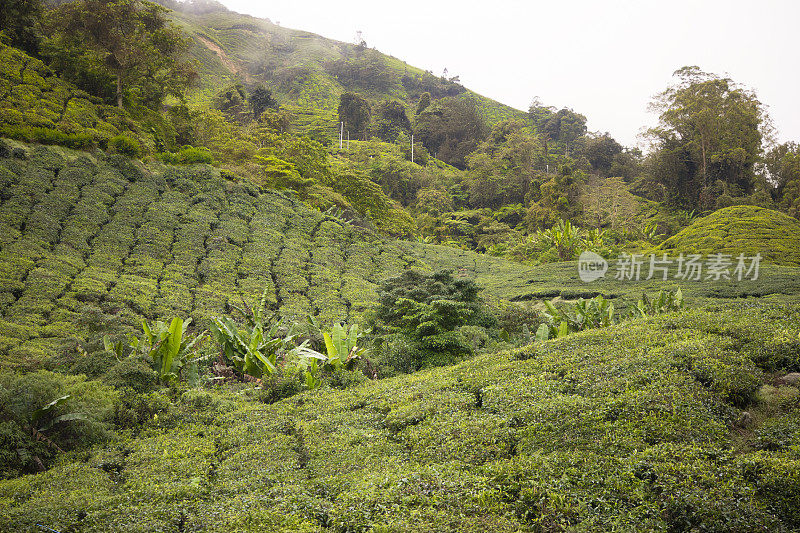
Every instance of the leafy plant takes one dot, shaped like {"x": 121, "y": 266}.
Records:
{"x": 168, "y": 348}
{"x": 564, "y": 237}
{"x": 117, "y": 348}
{"x": 40, "y": 420}
{"x": 665, "y": 302}
{"x": 252, "y": 348}
{"x": 341, "y": 351}
{"x": 585, "y": 314}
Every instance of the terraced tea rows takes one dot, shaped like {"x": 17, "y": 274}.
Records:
{"x": 91, "y": 243}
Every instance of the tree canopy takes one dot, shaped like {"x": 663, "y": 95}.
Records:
{"x": 134, "y": 41}
{"x": 708, "y": 139}
{"x": 451, "y": 128}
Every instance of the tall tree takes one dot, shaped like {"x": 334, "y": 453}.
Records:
{"x": 135, "y": 41}
{"x": 600, "y": 152}
{"x": 451, "y": 128}
{"x": 715, "y": 127}
{"x": 261, "y": 99}
{"x": 356, "y": 113}
{"x": 391, "y": 121}
{"x": 505, "y": 166}
{"x": 783, "y": 166}
{"x": 19, "y": 20}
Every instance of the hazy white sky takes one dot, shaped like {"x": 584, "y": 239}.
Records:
{"x": 605, "y": 59}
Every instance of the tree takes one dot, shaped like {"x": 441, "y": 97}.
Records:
{"x": 503, "y": 168}
{"x": 20, "y": 21}
{"x": 356, "y": 113}
{"x": 233, "y": 102}
{"x": 713, "y": 128}
{"x": 564, "y": 126}
{"x": 261, "y": 99}
{"x": 424, "y": 102}
{"x": 783, "y": 166}
{"x": 134, "y": 41}
{"x": 391, "y": 121}
{"x": 451, "y": 129}
{"x": 600, "y": 152}
{"x": 429, "y": 309}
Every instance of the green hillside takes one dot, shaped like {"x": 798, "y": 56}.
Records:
{"x": 216, "y": 317}
{"x": 93, "y": 243}
{"x": 742, "y": 230}
{"x": 297, "y": 66}
{"x": 639, "y": 427}
{"x": 36, "y": 105}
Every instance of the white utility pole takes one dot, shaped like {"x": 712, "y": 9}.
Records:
{"x": 341, "y": 134}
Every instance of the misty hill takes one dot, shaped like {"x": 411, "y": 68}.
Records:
{"x": 307, "y": 72}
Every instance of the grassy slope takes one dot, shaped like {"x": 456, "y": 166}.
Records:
{"x": 633, "y": 428}
{"x": 33, "y": 101}
{"x": 250, "y": 48}
{"x": 89, "y": 242}
{"x": 742, "y": 229}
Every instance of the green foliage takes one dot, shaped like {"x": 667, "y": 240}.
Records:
{"x": 451, "y": 128}
{"x": 664, "y": 302}
{"x": 585, "y": 314}
{"x": 188, "y": 155}
{"x": 253, "y": 348}
{"x": 356, "y": 113}
{"x": 390, "y": 121}
{"x": 783, "y": 164}
{"x": 21, "y": 23}
{"x": 43, "y": 414}
{"x": 709, "y": 138}
{"x": 133, "y": 373}
{"x": 40, "y": 107}
{"x": 132, "y": 40}
{"x": 124, "y": 145}
{"x": 429, "y": 309}
{"x": 598, "y": 312}
{"x": 744, "y": 230}
{"x": 170, "y": 351}
{"x": 342, "y": 351}
{"x": 629, "y": 427}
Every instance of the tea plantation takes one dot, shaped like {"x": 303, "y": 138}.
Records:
{"x": 664, "y": 424}
{"x": 94, "y": 243}
{"x": 91, "y": 243}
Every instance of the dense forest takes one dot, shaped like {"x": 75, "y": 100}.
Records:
{"x": 253, "y": 278}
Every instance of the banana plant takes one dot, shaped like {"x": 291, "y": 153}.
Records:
{"x": 167, "y": 347}
{"x": 342, "y": 350}
{"x": 117, "y": 348}
{"x": 252, "y": 349}
{"x": 585, "y": 314}
{"x": 664, "y": 302}
{"x": 40, "y": 421}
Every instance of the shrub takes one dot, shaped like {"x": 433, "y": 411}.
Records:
{"x": 133, "y": 373}
{"x": 44, "y": 413}
{"x": 122, "y": 144}
{"x": 188, "y": 155}
{"x": 428, "y": 309}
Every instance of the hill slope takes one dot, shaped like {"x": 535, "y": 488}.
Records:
{"x": 636, "y": 428}
{"x": 301, "y": 68}
{"x": 742, "y": 229}
{"x": 92, "y": 243}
